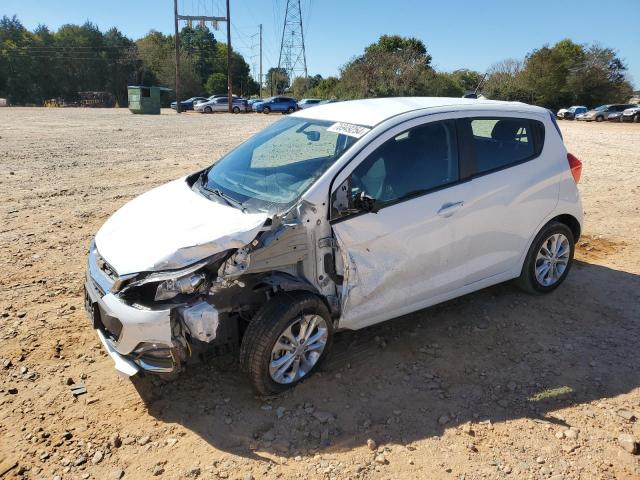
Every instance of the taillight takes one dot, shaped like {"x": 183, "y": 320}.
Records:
{"x": 575, "y": 166}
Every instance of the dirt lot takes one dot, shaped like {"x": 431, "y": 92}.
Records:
{"x": 497, "y": 384}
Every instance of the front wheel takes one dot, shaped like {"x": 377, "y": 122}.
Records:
{"x": 549, "y": 259}
{"x": 286, "y": 341}
{"x": 236, "y": 109}
{"x": 599, "y": 118}
{"x": 266, "y": 110}
{"x": 207, "y": 110}
{"x": 290, "y": 110}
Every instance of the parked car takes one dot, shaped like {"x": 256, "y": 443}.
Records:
{"x": 571, "y": 112}
{"x": 255, "y": 100}
{"x": 335, "y": 218}
{"x": 189, "y": 103}
{"x": 221, "y": 104}
{"x": 213, "y": 97}
{"x": 602, "y": 112}
{"x": 276, "y": 104}
{"x": 615, "y": 117}
{"x": 631, "y": 114}
{"x": 308, "y": 102}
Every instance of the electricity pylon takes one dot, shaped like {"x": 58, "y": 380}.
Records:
{"x": 293, "y": 59}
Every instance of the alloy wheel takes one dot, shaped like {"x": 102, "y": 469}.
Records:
{"x": 298, "y": 349}
{"x": 552, "y": 259}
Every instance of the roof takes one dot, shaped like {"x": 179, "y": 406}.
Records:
{"x": 371, "y": 112}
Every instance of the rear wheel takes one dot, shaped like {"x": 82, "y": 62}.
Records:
{"x": 599, "y": 118}
{"x": 236, "y": 109}
{"x": 207, "y": 110}
{"x": 266, "y": 110}
{"x": 549, "y": 259}
{"x": 291, "y": 110}
{"x": 286, "y": 341}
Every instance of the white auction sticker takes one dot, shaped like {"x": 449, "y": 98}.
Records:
{"x": 348, "y": 129}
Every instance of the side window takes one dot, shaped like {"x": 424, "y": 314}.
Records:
{"x": 413, "y": 162}
{"x": 500, "y": 142}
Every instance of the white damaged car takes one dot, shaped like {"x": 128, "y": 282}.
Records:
{"x": 336, "y": 217}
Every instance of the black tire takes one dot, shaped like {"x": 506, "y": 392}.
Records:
{"x": 266, "y": 327}
{"x": 599, "y": 118}
{"x": 207, "y": 110}
{"x": 236, "y": 109}
{"x": 636, "y": 118}
{"x": 527, "y": 280}
{"x": 291, "y": 110}
{"x": 266, "y": 110}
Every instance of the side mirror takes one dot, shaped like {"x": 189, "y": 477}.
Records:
{"x": 366, "y": 203}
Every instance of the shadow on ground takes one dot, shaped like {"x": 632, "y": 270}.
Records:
{"x": 496, "y": 355}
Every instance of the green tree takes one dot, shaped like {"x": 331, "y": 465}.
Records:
{"x": 327, "y": 88}
{"x": 393, "y": 66}
{"x": 277, "y": 81}
{"x": 200, "y": 45}
{"x": 216, "y": 84}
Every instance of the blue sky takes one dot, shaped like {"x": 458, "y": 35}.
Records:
{"x": 458, "y": 34}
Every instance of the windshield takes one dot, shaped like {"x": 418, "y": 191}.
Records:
{"x": 602, "y": 108}
{"x": 272, "y": 169}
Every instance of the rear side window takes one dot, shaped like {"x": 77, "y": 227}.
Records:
{"x": 502, "y": 142}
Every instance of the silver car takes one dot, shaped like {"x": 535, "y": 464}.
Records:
{"x": 221, "y": 104}
{"x": 308, "y": 102}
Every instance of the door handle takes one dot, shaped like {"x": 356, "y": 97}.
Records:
{"x": 449, "y": 209}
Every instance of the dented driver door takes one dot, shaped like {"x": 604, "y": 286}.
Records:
{"x": 411, "y": 253}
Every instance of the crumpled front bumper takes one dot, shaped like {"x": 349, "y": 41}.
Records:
{"x": 123, "y": 328}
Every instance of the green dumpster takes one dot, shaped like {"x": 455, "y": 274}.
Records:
{"x": 145, "y": 99}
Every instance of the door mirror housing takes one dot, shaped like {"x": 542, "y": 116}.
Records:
{"x": 366, "y": 203}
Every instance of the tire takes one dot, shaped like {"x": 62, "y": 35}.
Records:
{"x": 276, "y": 322}
{"x": 599, "y": 118}
{"x": 207, "y": 110}
{"x": 266, "y": 110}
{"x": 290, "y": 110}
{"x": 236, "y": 109}
{"x": 530, "y": 280}
{"x": 636, "y": 119}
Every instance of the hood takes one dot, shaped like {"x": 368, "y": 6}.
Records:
{"x": 172, "y": 227}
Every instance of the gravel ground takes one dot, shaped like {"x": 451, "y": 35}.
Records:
{"x": 496, "y": 384}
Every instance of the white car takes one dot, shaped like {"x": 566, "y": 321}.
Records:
{"x": 631, "y": 114}
{"x": 334, "y": 218}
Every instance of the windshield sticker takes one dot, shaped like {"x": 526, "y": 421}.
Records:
{"x": 348, "y": 129}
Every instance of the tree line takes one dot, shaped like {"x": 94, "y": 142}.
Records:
{"x": 42, "y": 64}
{"x": 555, "y": 76}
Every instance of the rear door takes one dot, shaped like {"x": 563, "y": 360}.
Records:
{"x": 513, "y": 188}
{"x": 411, "y": 252}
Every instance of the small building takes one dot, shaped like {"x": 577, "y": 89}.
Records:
{"x": 145, "y": 100}
{"x": 4, "y": 102}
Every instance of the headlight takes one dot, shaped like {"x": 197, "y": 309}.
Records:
{"x": 175, "y": 286}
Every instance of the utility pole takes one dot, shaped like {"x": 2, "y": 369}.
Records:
{"x": 260, "y": 78}
{"x": 229, "y": 92}
{"x": 175, "y": 18}
{"x": 202, "y": 19}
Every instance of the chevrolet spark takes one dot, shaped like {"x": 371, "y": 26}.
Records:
{"x": 336, "y": 217}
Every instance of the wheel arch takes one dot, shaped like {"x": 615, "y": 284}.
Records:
{"x": 570, "y": 221}
{"x": 285, "y": 282}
